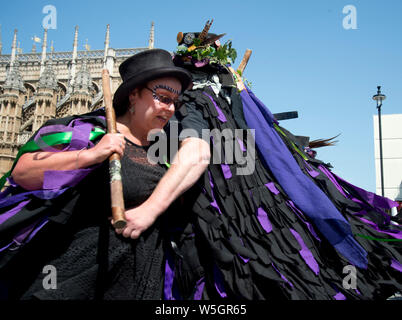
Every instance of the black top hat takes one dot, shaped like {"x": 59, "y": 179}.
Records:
{"x": 143, "y": 67}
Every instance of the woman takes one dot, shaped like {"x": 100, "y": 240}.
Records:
{"x": 90, "y": 259}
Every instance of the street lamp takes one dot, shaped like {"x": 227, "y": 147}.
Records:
{"x": 379, "y": 97}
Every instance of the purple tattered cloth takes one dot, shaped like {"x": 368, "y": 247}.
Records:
{"x": 55, "y": 182}
{"x": 310, "y": 199}
{"x": 376, "y": 203}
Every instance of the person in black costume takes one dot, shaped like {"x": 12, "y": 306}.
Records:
{"x": 66, "y": 225}
{"x": 247, "y": 236}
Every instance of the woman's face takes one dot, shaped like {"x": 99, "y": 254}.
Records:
{"x": 153, "y": 106}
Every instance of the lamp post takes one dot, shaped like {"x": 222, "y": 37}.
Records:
{"x": 379, "y": 97}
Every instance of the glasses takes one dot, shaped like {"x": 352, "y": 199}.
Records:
{"x": 166, "y": 100}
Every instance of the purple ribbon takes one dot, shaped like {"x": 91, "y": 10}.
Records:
{"x": 333, "y": 180}
{"x": 310, "y": 170}
{"x": 80, "y": 135}
{"x": 37, "y": 228}
{"x": 374, "y": 200}
{"x": 339, "y": 296}
{"x": 242, "y": 147}
{"x": 303, "y": 219}
{"x": 271, "y": 187}
{"x": 264, "y": 220}
{"x": 221, "y": 116}
{"x": 219, "y": 282}
{"x": 282, "y": 276}
{"x": 23, "y": 199}
{"x": 7, "y": 215}
{"x": 396, "y": 234}
{"x": 396, "y": 265}
{"x": 306, "y": 253}
{"x": 226, "y": 171}
{"x": 29, "y": 232}
{"x": 169, "y": 276}
{"x": 245, "y": 260}
{"x": 58, "y": 179}
{"x": 4, "y": 248}
{"x": 199, "y": 288}
{"x": 213, "y": 203}
{"x": 26, "y": 234}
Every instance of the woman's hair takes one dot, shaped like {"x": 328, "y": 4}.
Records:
{"x": 122, "y": 111}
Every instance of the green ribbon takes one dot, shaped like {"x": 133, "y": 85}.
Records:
{"x": 291, "y": 142}
{"x": 51, "y": 140}
{"x": 167, "y": 164}
{"x": 376, "y": 239}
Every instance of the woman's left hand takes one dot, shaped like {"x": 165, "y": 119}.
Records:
{"x": 138, "y": 220}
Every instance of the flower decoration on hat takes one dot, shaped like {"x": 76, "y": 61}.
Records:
{"x": 189, "y": 38}
{"x": 204, "y": 48}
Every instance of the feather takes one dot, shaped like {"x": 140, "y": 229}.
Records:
{"x": 179, "y": 37}
{"x": 213, "y": 39}
{"x": 322, "y": 142}
{"x": 204, "y": 32}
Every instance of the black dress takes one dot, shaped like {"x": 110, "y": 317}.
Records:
{"x": 91, "y": 261}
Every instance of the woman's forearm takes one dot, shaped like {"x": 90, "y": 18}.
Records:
{"x": 189, "y": 164}
{"x": 30, "y": 168}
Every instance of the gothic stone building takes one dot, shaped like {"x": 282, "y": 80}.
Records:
{"x": 35, "y": 87}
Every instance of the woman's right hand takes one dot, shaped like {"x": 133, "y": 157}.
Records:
{"x": 109, "y": 144}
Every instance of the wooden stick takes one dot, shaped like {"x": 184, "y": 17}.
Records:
{"x": 244, "y": 62}
{"x": 116, "y": 187}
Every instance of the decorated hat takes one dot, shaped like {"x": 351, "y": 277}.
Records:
{"x": 194, "y": 40}
{"x": 204, "y": 47}
{"x": 143, "y": 67}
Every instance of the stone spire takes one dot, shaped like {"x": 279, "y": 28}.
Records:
{"x": 44, "y": 47}
{"x": 13, "y": 49}
{"x": 45, "y": 96}
{"x": 13, "y": 79}
{"x": 11, "y": 102}
{"x": 81, "y": 90}
{"x": 75, "y": 54}
{"x": 151, "y": 36}
{"x": 48, "y": 79}
{"x": 83, "y": 79}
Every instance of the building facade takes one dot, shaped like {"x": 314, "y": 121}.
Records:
{"x": 391, "y": 125}
{"x": 36, "y": 87}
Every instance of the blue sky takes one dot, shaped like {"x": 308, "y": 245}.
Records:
{"x": 303, "y": 58}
